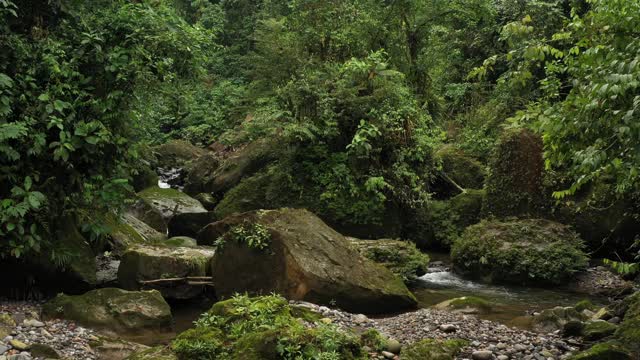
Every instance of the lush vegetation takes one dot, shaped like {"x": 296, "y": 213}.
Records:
{"x": 372, "y": 112}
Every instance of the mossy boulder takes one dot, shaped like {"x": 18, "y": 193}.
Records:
{"x": 129, "y": 230}
{"x": 514, "y": 184}
{"x": 82, "y": 266}
{"x": 113, "y": 309}
{"x": 598, "y": 329}
{"x": 532, "y": 251}
{"x": 466, "y": 305}
{"x": 176, "y": 153}
{"x": 262, "y": 328}
{"x": 190, "y": 224}
{"x": 401, "y": 257}
{"x": 558, "y": 318}
{"x": 207, "y": 200}
{"x": 44, "y": 351}
{"x": 210, "y": 175}
{"x": 605, "y": 351}
{"x": 628, "y": 333}
{"x": 433, "y": 349}
{"x": 297, "y": 255}
{"x": 156, "y": 206}
{"x": 458, "y": 170}
{"x": 146, "y": 263}
{"x": 180, "y": 241}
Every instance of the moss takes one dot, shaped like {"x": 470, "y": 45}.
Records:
{"x": 582, "y": 305}
{"x": 605, "y": 351}
{"x": 433, "y": 349}
{"x": 207, "y": 200}
{"x": 176, "y": 153}
{"x": 43, "y": 351}
{"x": 198, "y": 344}
{"x": 401, "y": 257}
{"x": 628, "y": 333}
{"x": 154, "y": 353}
{"x": 83, "y": 262}
{"x": 145, "y": 178}
{"x": 180, "y": 241}
{"x": 374, "y": 340}
{"x": 470, "y": 302}
{"x": 514, "y": 184}
{"x": 465, "y": 171}
{"x": 532, "y": 251}
{"x": 596, "y": 330}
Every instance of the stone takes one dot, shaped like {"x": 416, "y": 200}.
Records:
{"x": 360, "y": 319}
{"x": 503, "y": 357}
{"x": 176, "y": 153}
{"x": 602, "y": 314}
{"x": 155, "y": 353}
{"x": 466, "y": 305}
{"x": 32, "y": 323}
{"x": 18, "y": 345}
{"x": 304, "y": 259}
{"x": 598, "y": 329}
{"x": 388, "y": 355}
{"x": 156, "y": 206}
{"x": 207, "y": 200}
{"x": 448, "y": 328}
{"x": 394, "y": 346}
{"x": 432, "y": 349}
{"x": 181, "y": 241}
{"x": 482, "y": 355}
{"x": 113, "y": 309}
{"x": 146, "y": 263}
{"x": 3, "y": 349}
{"x": 190, "y": 224}
{"x": 127, "y": 230}
{"x": 604, "y": 351}
{"x": 557, "y": 318}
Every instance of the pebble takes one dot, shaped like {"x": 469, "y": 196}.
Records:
{"x": 360, "y": 319}
{"x": 388, "y": 355}
{"x": 482, "y": 355}
{"x": 448, "y": 328}
{"x": 394, "y": 346}
{"x": 33, "y": 323}
{"x": 18, "y": 345}
{"x": 503, "y": 357}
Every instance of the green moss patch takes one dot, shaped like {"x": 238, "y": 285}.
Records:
{"x": 401, "y": 257}
{"x": 433, "y": 349}
{"x": 604, "y": 351}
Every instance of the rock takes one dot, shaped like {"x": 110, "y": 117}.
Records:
{"x": 614, "y": 320}
{"x": 207, "y": 200}
{"x": 145, "y": 177}
{"x": 602, "y": 314}
{"x": 604, "y": 351}
{"x": 394, "y": 346}
{"x": 596, "y": 330}
{"x": 82, "y": 265}
{"x": 388, "y": 355}
{"x": 21, "y": 356}
{"x": 432, "y": 349}
{"x": 129, "y": 230}
{"x": 401, "y": 257}
{"x": 208, "y": 175}
{"x": 155, "y": 353}
{"x": 113, "y": 309}
{"x": 44, "y": 351}
{"x": 3, "y": 349}
{"x": 18, "y": 345}
{"x": 628, "y": 332}
{"x": 190, "y": 224}
{"x": 360, "y": 319}
{"x": 482, "y": 355}
{"x": 180, "y": 241}
{"x": 303, "y": 259}
{"x": 554, "y": 319}
{"x": 519, "y": 251}
{"x": 466, "y": 305}
{"x": 503, "y": 357}
{"x": 448, "y": 328}
{"x": 115, "y": 349}
{"x": 515, "y": 182}
{"x": 32, "y": 323}
{"x": 146, "y": 263}
{"x": 157, "y": 206}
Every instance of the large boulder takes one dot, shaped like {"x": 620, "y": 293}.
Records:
{"x": 114, "y": 310}
{"x": 458, "y": 171}
{"x": 167, "y": 268}
{"x": 82, "y": 265}
{"x": 532, "y": 251}
{"x": 156, "y": 206}
{"x": 129, "y": 230}
{"x": 514, "y": 184}
{"x": 565, "y": 319}
{"x": 401, "y": 257}
{"x": 211, "y": 175}
{"x": 294, "y": 253}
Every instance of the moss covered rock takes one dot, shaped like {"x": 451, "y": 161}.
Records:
{"x": 294, "y": 253}
{"x": 180, "y": 241}
{"x": 558, "y": 318}
{"x": 514, "y": 184}
{"x": 6, "y": 325}
{"x": 146, "y": 263}
{"x": 155, "y": 353}
{"x": 466, "y": 304}
{"x": 210, "y": 175}
{"x": 433, "y": 349}
{"x": 129, "y": 230}
{"x": 628, "y": 333}
{"x": 207, "y": 200}
{"x": 532, "y": 251}
{"x": 113, "y": 309}
{"x": 598, "y": 329}
{"x": 262, "y": 328}
{"x": 157, "y": 206}
{"x": 82, "y": 265}
{"x": 44, "y": 351}
{"x": 605, "y": 351}
{"x": 401, "y": 257}
{"x": 176, "y": 153}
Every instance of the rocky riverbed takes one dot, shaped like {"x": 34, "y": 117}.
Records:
{"x": 26, "y": 336}
{"x": 488, "y": 340}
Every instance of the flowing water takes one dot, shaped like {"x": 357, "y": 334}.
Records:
{"x": 511, "y": 304}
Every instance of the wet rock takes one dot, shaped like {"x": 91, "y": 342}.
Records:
{"x": 301, "y": 258}
{"x": 157, "y": 206}
{"x": 394, "y": 346}
{"x": 482, "y": 355}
